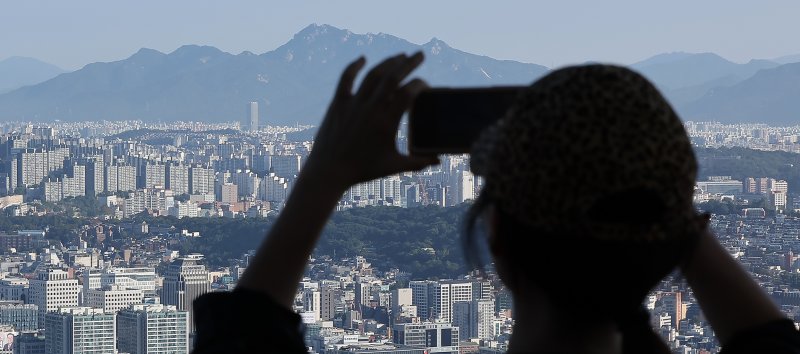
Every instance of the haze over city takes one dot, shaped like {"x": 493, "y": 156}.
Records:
{"x": 550, "y": 33}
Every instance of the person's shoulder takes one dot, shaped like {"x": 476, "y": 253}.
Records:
{"x": 775, "y": 337}
{"x": 245, "y": 321}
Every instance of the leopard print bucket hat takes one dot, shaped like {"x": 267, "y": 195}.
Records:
{"x": 578, "y": 138}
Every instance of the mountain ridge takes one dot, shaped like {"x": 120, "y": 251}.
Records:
{"x": 17, "y": 71}
{"x": 294, "y": 82}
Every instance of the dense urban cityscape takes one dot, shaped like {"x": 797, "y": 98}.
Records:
{"x": 112, "y": 282}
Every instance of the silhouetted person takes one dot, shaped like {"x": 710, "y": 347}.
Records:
{"x": 588, "y": 202}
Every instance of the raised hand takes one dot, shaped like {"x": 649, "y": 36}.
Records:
{"x": 356, "y": 141}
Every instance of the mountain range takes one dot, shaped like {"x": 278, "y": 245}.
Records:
{"x": 294, "y": 82}
{"x": 16, "y": 72}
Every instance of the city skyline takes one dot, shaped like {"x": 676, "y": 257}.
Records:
{"x": 167, "y": 194}
{"x": 132, "y": 224}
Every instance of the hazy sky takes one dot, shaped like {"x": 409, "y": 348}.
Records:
{"x": 76, "y": 32}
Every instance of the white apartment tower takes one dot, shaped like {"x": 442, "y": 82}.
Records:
{"x": 178, "y": 179}
{"x": 201, "y": 180}
{"x": 253, "y": 116}
{"x": 120, "y": 178}
{"x": 155, "y": 175}
{"x": 80, "y": 330}
{"x": 153, "y": 328}
{"x": 52, "y": 289}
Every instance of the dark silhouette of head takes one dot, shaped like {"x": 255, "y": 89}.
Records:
{"x": 589, "y": 179}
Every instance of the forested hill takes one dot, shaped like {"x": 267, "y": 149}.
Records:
{"x": 423, "y": 241}
{"x": 740, "y": 163}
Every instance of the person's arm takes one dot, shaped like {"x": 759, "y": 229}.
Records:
{"x": 731, "y": 300}
{"x": 355, "y": 143}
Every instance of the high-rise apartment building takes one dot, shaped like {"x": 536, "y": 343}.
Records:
{"x": 286, "y": 166}
{"x": 328, "y": 302}
{"x": 95, "y": 176}
{"x": 153, "y": 328}
{"x": 474, "y": 319}
{"x": 778, "y": 194}
{"x": 228, "y": 193}
{"x": 154, "y": 175}
{"x": 364, "y": 191}
{"x": 273, "y": 188}
{"x": 74, "y": 184}
{"x": 247, "y": 183}
{"x": 80, "y": 330}
{"x": 120, "y": 178}
{"x": 363, "y": 294}
{"x": 422, "y": 292}
{"x": 312, "y": 303}
{"x": 201, "y": 180}
{"x": 33, "y": 165}
{"x": 52, "y": 289}
{"x": 253, "y": 116}
{"x": 261, "y": 161}
{"x": 178, "y": 179}
{"x": 184, "y": 281}
{"x": 462, "y": 187}
{"x": 434, "y": 299}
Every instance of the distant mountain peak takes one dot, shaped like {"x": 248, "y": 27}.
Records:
{"x": 203, "y": 53}
{"x": 295, "y": 78}
{"x": 435, "y": 46}
{"x": 145, "y": 53}
{"x": 314, "y": 31}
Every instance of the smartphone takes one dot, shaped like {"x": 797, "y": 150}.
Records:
{"x": 449, "y": 120}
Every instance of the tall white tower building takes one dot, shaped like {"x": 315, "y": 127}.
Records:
{"x": 253, "y": 116}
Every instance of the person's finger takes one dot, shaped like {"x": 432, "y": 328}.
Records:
{"x": 403, "y": 99}
{"x": 345, "y": 87}
{"x": 375, "y": 75}
{"x": 393, "y": 78}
